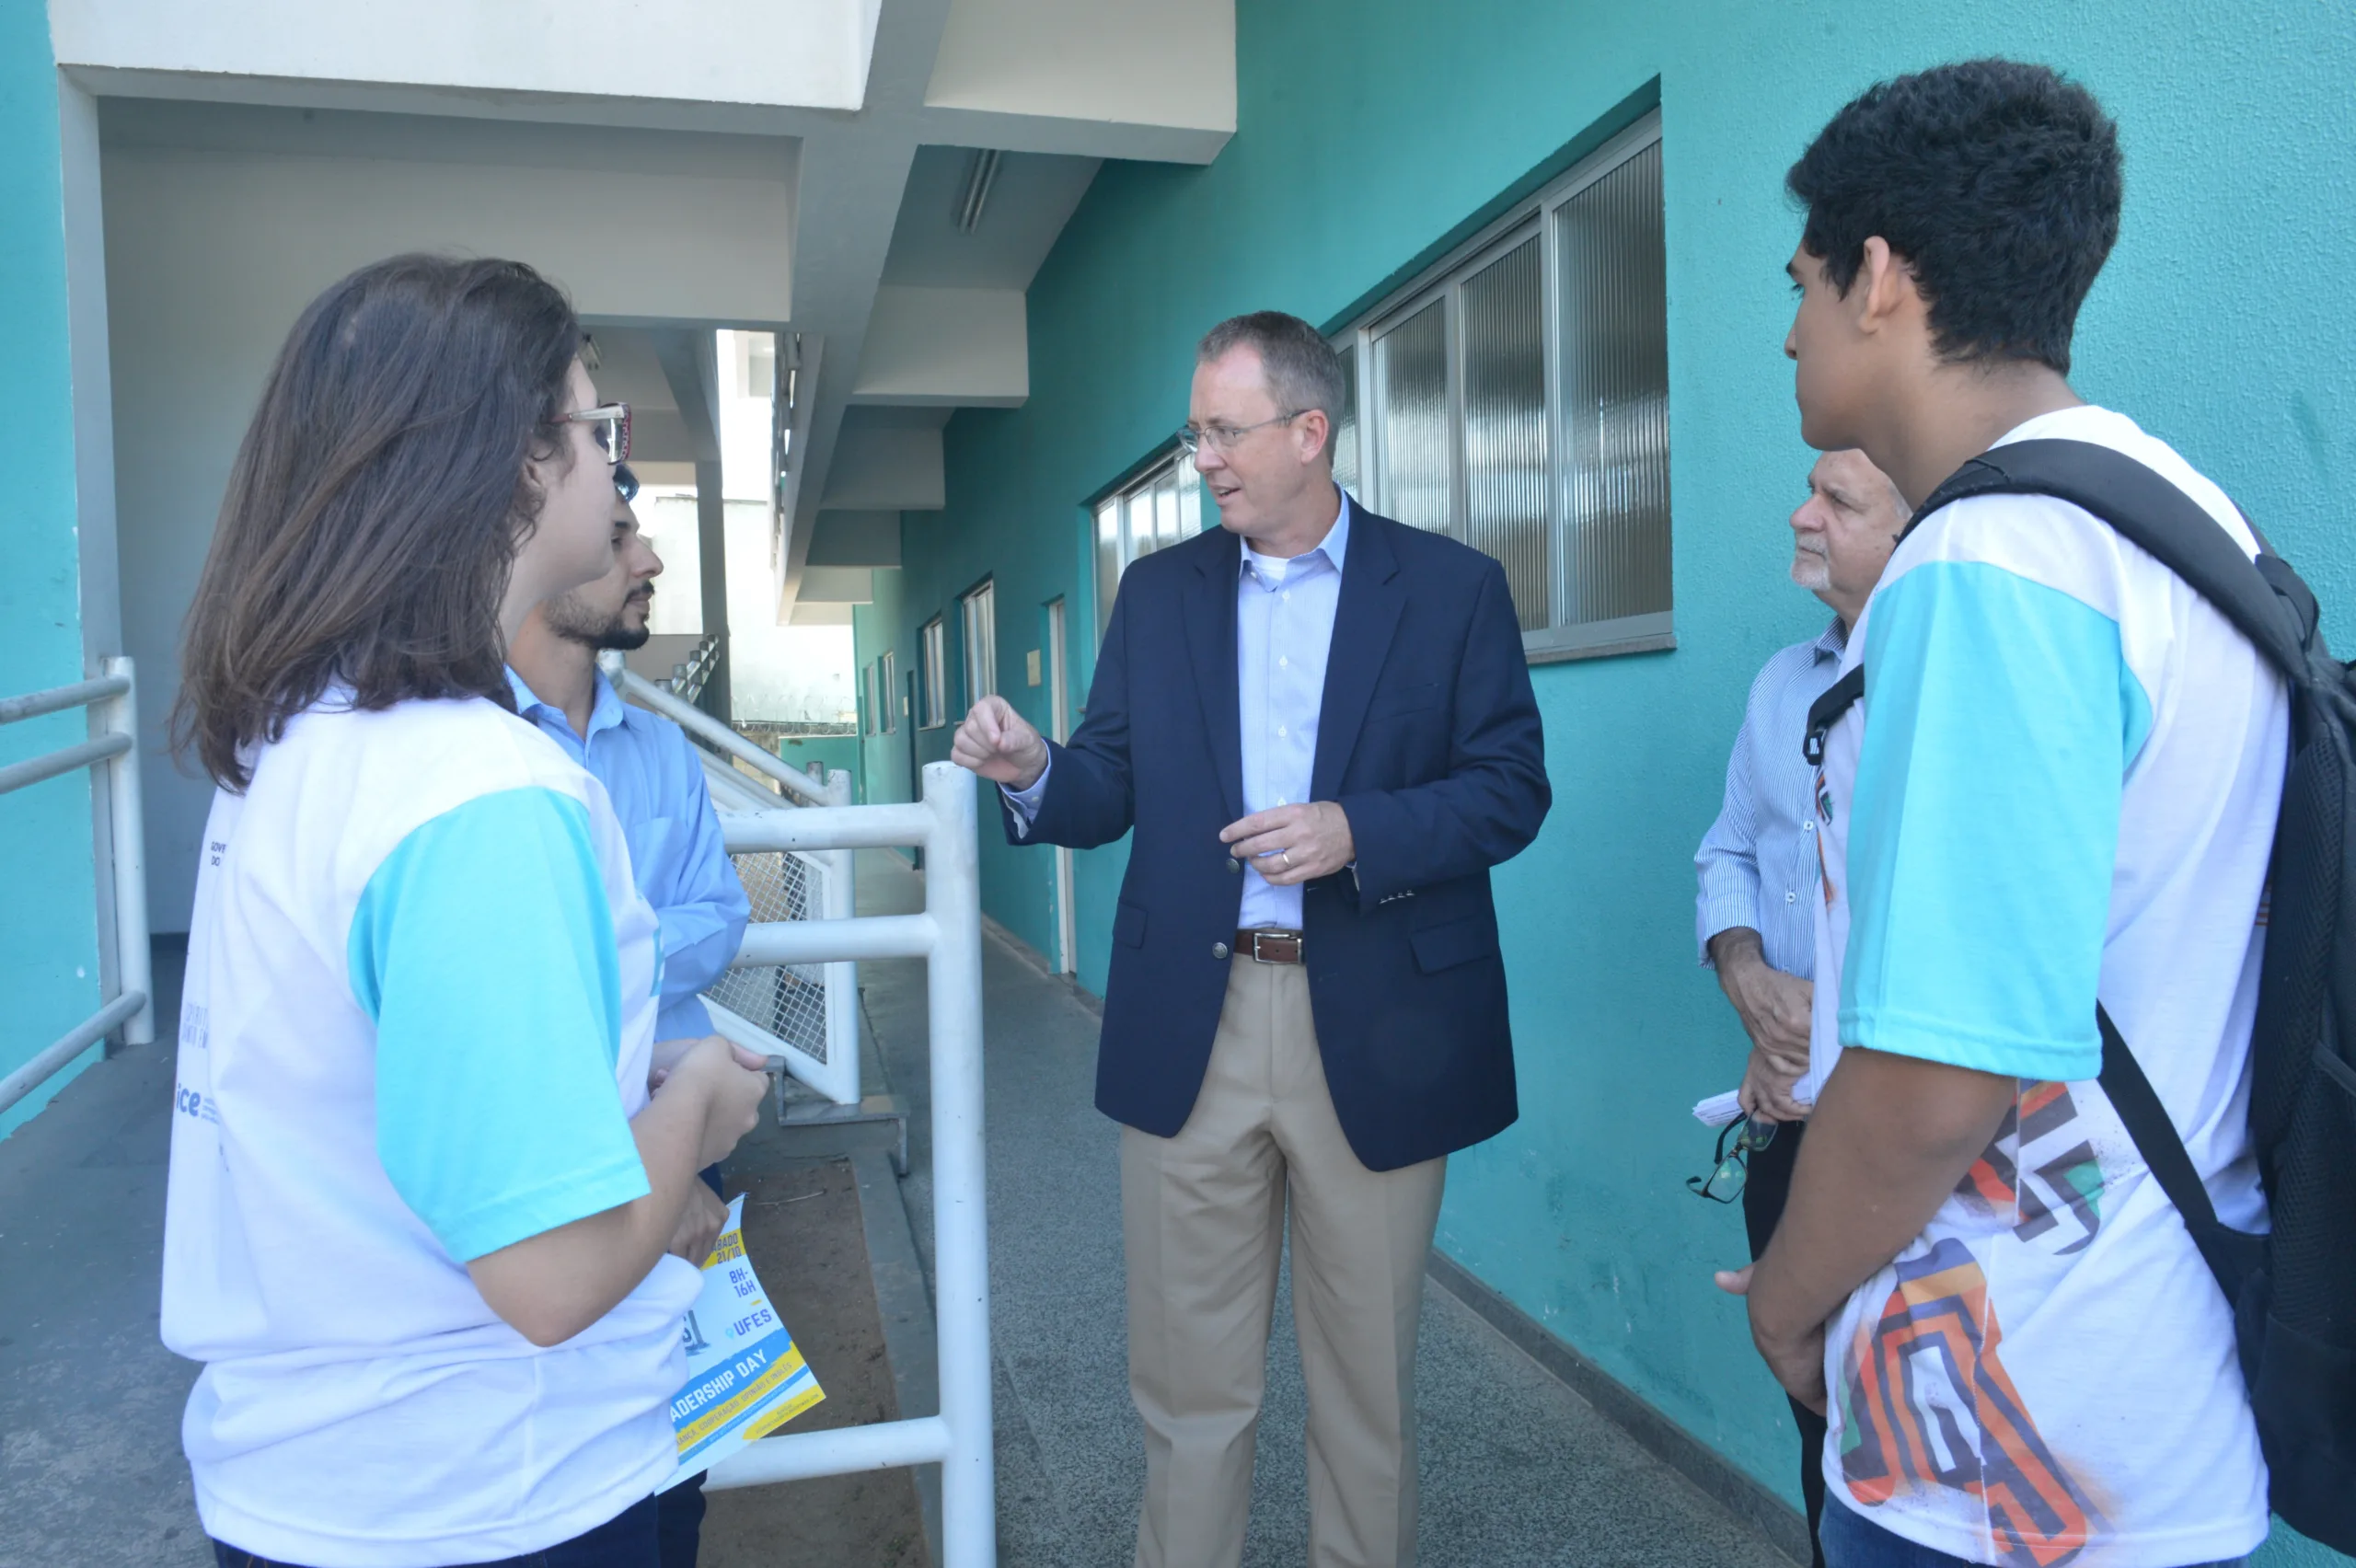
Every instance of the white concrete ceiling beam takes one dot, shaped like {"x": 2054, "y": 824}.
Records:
{"x": 837, "y": 585}
{"x": 690, "y": 364}
{"x": 777, "y": 54}
{"x": 890, "y": 468}
{"x": 1164, "y": 64}
{"x": 855, "y": 538}
{"x": 956, "y": 348}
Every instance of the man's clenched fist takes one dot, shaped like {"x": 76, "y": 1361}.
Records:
{"x": 999, "y": 744}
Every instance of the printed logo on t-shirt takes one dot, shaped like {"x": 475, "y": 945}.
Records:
{"x": 1926, "y": 1403}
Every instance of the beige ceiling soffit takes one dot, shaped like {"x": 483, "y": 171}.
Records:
{"x": 891, "y": 469}
{"x": 797, "y": 53}
{"x": 819, "y": 613}
{"x": 1164, "y": 62}
{"x": 960, "y": 348}
{"x": 837, "y": 585}
{"x": 455, "y": 103}
{"x": 855, "y": 538}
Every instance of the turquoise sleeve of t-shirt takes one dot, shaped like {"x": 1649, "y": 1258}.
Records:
{"x": 2001, "y": 715}
{"x": 483, "y": 948}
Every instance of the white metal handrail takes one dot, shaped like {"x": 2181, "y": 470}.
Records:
{"x": 948, "y": 935}
{"x": 835, "y": 1075}
{"x": 113, "y": 701}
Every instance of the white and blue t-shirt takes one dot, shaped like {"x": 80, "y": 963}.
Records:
{"x": 2061, "y": 785}
{"x": 420, "y": 1004}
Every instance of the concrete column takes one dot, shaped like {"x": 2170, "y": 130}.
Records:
{"x": 712, "y": 525}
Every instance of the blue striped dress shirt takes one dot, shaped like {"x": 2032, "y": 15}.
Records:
{"x": 655, "y": 782}
{"x": 1758, "y": 864}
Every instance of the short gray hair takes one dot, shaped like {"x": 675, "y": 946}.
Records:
{"x": 1303, "y": 369}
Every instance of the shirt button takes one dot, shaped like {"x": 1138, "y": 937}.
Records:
{"x": 1219, "y": 950}
{"x": 1283, "y": 663}
{"x": 1280, "y": 729}
{"x": 1791, "y": 898}
{"x": 1288, "y": 594}
{"x": 1808, "y": 826}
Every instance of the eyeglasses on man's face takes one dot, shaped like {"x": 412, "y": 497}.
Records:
{"x": 608, "y": 426}
{"x": 625, "y": 481}
{"x": 1730, "y": 1167}
{"x": 1221, "y": 438}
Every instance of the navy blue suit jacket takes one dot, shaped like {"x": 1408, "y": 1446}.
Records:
{"x": 1428, "y": 737}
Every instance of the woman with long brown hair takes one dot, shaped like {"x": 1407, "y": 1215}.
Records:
{"x": 422, "y": 1204}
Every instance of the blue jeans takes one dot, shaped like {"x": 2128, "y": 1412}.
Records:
{"x": 626, "y": 1541}
{"x": 1852, "y": 1540}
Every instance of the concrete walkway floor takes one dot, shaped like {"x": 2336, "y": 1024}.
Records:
{"x": 1517, "y": 1469}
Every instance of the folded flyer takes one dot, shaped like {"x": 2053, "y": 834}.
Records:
{"x": 746, "y": 1377}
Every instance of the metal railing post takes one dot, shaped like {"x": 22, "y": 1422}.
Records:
{"x": 840, "y": 901}
{"x": 960, "y": 1216}
{"x": 120, "y": 715}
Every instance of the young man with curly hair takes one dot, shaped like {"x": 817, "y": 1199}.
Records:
{"x": 2060, "y": 787}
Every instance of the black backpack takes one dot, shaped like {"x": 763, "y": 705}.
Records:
{"x": 2294, "y": 1289}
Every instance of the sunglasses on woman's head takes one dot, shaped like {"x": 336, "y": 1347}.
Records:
{"x": 609, "y": 427}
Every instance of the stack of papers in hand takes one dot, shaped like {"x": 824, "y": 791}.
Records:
{"x": 1719, "y": 1108}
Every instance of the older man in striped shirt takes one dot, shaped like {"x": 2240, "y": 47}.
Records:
{"x": 1758, "y": 864}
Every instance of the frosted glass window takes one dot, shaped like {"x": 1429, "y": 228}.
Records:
{"x": 1109, "y": 559}
{"x": 1158, "y": 509}
{"x": 1411, "y": 368}
{"x": 1518, "y": 400}
{"x": 1345, "y": 424}
{"x": 1505, "y": 425}
{"x": 980, "y": 609}
{"x": 933, "y": 646}
{"x": 1615, "y": 394}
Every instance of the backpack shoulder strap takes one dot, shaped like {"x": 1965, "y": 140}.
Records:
{"x": 2232, "y": 1255}
{"x": 2264, "y": 601}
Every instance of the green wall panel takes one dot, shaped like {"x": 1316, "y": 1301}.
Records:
{"x": 49, "y": 953}
{"x": 1368, "y": 135}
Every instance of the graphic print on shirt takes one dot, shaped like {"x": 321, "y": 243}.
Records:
{"x": 1926, "y": 1403}
{"x": 2042, "y": 1136}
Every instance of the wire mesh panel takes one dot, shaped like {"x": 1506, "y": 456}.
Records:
{"x": 788, "y": 1000}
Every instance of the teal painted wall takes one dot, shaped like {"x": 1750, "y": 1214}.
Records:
{"x": 1368, "y": 133}
{"x": 49, "y": 950}
{"x": 833, "y": 751}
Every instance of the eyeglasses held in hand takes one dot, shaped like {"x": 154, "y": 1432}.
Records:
{"x": 1732, "y": 1167}
{"x": 1221, "y": 438}
{"x": 611, "y": 428}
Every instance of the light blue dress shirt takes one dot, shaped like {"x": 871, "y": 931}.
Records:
{"x": 650, "y": 773}
{"x": 1284, "y": 629}
{"x": 1759, "y": 865}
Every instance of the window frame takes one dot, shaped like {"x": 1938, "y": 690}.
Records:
{"x": 979, "y": 603}
{"x": 1532, "y": 216}
{"x": 1171, "y": 462}
{"x": 932, "y": 663}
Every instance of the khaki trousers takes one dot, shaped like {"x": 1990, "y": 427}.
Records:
{"x": 1203, "y": 1218}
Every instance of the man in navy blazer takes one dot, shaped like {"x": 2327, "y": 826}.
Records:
{"x": 1318, "y": 724}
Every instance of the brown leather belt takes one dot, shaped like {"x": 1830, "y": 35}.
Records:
{"x": 1268, "y": 945}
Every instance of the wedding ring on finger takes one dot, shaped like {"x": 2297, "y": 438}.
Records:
{"x": 1288, "y": 855}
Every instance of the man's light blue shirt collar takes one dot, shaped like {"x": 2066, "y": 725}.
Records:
{"x": 606, "y": 708}
{"x": 1271, "y": 572}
